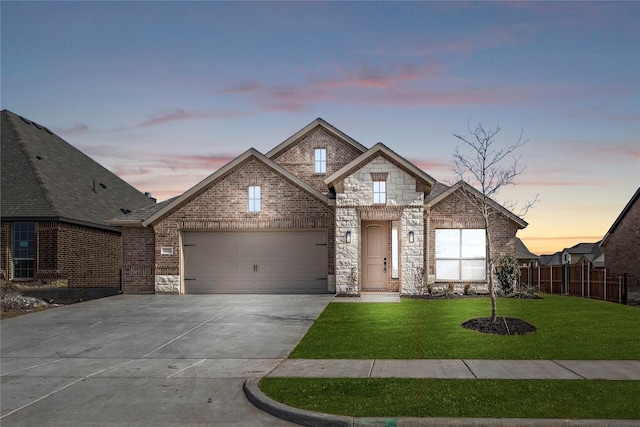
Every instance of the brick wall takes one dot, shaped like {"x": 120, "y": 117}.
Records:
{"x": 223, "y": 205}
{"x": 622, "y": 251}
{"x": 5, "y": 250}
{"x": 456, "y": 212}
{"x": 138, "y": 251}
{"x": 298, "y": 158}
{"x": 71, "y": 254}
{"x": 89, "y": 257}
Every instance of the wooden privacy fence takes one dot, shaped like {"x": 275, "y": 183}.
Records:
{"x": 581, "y": 280}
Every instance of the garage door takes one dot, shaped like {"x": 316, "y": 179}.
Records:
{"x": 255, "y": 262}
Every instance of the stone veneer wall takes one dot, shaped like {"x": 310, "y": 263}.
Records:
{"x": 457, "y": 212}
{"x": 223, "y": 205}
{"x": 354, "y": 203}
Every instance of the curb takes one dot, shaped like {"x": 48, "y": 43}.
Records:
{"x": 261, "y": 401}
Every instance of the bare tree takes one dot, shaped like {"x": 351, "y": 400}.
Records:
{"x": 488, "y": 166}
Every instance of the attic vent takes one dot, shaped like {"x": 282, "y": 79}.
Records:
{"x": 125, "y": 211}
{"x": 39, "y": 157}
{"x": 47, "y": 130}
{"x": 103, "y": 185}
{"x": 36, "y": 125}
{"x": 25, "y": 120}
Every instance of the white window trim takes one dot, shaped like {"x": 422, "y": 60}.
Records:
{"x": 254, "y": 198}
{"x": 320, "y": 161}
{"x": 465, "y": 265}
{"x": 379, "y": 192}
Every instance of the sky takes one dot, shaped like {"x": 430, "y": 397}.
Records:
{"x": 165, "y": 93}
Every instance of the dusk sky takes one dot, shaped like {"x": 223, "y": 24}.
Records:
{"x": 165, "y": 93}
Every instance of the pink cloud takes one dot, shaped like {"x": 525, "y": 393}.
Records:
{"x": 76, "y": 129}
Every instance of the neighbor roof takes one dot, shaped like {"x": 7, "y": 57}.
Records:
{"x": 522, "y": 252}
{"x": 317, "y": 122}
{"x": 382, "y": 150}
{"x": 46, "y": 178}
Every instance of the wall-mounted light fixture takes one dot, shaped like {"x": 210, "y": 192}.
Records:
{"x": 411, "y": 237}
{"x": 347, "y": 237}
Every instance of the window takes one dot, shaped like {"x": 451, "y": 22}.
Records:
{"x": 394, "y": 249}
{"x": 379, "y": 192}
{"x": 321, "y": 160}
{"x": 23, "y": 250}
{"x": 460, "y": 254}
{"x": 254, "y": 198}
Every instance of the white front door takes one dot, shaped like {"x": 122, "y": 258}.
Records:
{"x": 374, "y": 255}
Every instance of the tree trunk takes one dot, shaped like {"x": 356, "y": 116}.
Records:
{"x": 489, "y": 263}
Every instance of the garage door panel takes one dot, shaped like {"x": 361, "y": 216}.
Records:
{"x": 255, "y": 261}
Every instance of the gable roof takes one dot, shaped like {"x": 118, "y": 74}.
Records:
{"x": 46, "y": 178}
{"x": 462, "y": 185}
{"x": 180, "y": 200}
{"x": 627, "y": 208}
{"x": 382, "y": 150}
{"x": 317, "y": 122}
{"x": 522, "y": 252}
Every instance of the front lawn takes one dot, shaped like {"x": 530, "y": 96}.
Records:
{"x": 376, "y": 397}
{"x": 568, "y": 328}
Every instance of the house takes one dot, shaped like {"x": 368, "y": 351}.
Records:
{"x": 584, "y": 252}
{"x": 622, "y": 244}
{"x": 54, "y": 204}
{"x": 318, "y": 213}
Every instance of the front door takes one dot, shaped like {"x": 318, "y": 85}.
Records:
{"x": 374, "y": 255}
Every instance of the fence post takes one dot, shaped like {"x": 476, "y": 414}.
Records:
{"x": 604, "y": 284}
{"x": 551, "y": 279}
{"x": 582, "y": 278}
{"x": 539, "y": 280}
{"x": 620, "y": 289}
{"x": 589, "y": 283}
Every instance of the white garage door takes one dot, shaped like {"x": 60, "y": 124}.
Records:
{"x": 255, "y": 262}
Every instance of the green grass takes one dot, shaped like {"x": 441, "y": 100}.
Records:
{"x": 375, "y": 397}
{"x": 568, "y": 328}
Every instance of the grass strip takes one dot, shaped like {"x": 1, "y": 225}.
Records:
{"x": 377, "y": 397}
{"x": 568, "y": 328}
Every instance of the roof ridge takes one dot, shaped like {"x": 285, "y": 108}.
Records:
{"x": 46, "y": 192}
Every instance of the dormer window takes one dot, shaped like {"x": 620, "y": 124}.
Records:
{"x": 320, "y": 162}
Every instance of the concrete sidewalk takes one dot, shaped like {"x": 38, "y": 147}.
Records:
{"x": 461, "y": 369}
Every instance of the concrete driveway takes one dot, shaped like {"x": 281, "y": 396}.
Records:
{"x": 148, "y": 360}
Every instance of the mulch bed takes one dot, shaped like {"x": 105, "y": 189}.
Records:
{"x": 502, "y": 326}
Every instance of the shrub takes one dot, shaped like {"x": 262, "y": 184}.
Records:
{"x": 507, "y": 273}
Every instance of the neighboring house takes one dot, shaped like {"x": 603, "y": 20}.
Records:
{"x": 54, "y": 204}
{"x": 524, "y": 256}
{"x": 584, "y": 252}
{"x": 551, "y": 259}
{"x": 319, "y": 213}
{"x": 622, "y": 243}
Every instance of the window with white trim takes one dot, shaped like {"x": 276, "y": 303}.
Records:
{"x": 461, "y": 254}
{"x": 254, "y": 198}
{"x": 380, "y": 192}
{"x": 23, "y": 250}
{"x": 320, "y": 160}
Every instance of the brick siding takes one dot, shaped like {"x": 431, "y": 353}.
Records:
{"x": 73, "y": 254}
{"x": 457, "y": 212}
{"x": 298, "y": 158}
{"x": 138, "y": 249}
{"x": 223, "y": 205}
{"x": 622, "y": 251}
